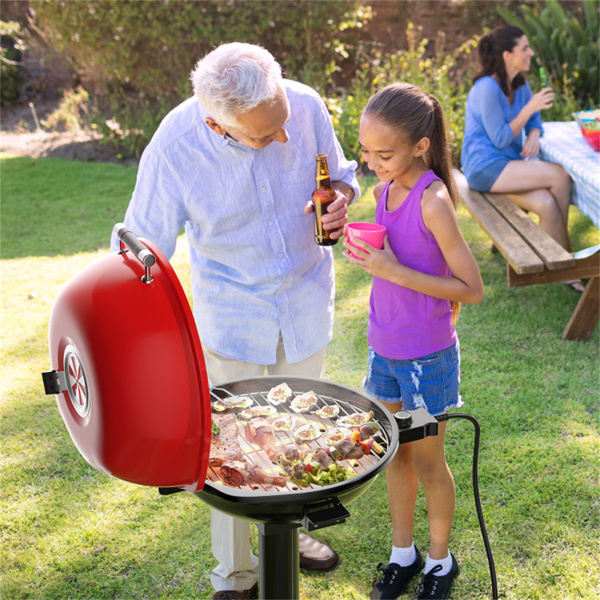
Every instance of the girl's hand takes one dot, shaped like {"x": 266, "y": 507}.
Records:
{"x": 531, "y": 147}
{"x": 379, "y": 263}
{"x": 543, "y": 99}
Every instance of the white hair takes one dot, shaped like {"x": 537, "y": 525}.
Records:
{"x": 235, "y": 78}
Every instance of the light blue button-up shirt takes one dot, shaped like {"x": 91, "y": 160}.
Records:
{"x": 256, "y": 270}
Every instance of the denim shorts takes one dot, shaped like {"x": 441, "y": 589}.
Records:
{"x": 483, "y": 180}
{"x": 429, "y": 382}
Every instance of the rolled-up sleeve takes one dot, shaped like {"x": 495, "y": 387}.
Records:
{"x": 489, "y": 99}
{"x": 156, "y": 211}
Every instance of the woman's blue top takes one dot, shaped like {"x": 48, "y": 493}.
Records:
{"x": 488, "y": 136}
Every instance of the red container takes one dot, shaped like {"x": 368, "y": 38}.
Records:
{"x": 129, "y": 371}
{"x": 592, "y": 137}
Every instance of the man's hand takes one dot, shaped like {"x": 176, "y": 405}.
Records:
{"x": 337, "y": 213}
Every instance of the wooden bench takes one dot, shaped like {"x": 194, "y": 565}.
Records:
{"x": 532, "y": 256}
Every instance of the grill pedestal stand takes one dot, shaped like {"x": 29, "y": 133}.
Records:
{"x": 279, "y": 566}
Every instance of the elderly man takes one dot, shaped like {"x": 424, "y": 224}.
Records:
{"x": 263, "y": 290}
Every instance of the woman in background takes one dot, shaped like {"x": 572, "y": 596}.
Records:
{"x": 502, "y": 131}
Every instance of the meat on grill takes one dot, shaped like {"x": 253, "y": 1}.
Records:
{"x": 224, "y": 445}
{"x": 346, "y": 449}
{"x": 236, "y": 473}
{"x": 260, "y": 431}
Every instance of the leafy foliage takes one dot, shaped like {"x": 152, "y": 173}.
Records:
{"x": 11, "y": 71}
{"x": 446, "y": 76}
{"x": 566, "y": 47}
{"x": 72, "y": 112}
{"x": 134, "y": 58}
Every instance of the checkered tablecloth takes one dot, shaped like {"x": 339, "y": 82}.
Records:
{"x": 563, "y": 143}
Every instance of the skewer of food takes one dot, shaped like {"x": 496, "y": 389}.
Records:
{"x": 316, "y": 468}
{"x": 358, "y": 442}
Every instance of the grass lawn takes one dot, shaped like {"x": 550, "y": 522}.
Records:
{"x": 68, "y": 531}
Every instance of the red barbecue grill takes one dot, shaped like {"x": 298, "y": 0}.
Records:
{"x": 131, "y": 385}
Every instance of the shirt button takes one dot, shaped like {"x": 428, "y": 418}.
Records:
{"x": 281, "y": 255}
{"x": 270, "y": 223}
{"x": 282, "y": 310}
{"x": 263, "y": 189}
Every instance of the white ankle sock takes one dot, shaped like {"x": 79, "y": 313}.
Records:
{"x": 403, "y": 556}
{"x": 433, "y": 562}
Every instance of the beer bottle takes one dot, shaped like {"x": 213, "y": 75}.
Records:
{"x": 544, "y": 78}
{"x": 322, "y": 197}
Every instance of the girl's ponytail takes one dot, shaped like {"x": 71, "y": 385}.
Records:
{"x": 438, "y": 157}
{"x": 439, "y": 160}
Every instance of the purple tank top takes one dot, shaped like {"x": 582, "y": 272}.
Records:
{"x": 405, "y": 324}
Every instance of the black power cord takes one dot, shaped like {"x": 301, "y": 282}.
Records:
{"x": 486, "y": 542}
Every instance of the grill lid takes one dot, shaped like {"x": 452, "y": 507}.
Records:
{"x": 128, "y": 369}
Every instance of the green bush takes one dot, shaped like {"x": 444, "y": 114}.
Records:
{"x": 11, "y": 72}
{"x": 566, "y": 47}
{"x": 446, "y": 76}
{"x": 134, "y": 58}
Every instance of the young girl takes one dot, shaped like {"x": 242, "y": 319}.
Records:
{"x": 421, "y": 276}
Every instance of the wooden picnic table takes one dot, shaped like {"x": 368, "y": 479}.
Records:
{"x": 533, "y": 257}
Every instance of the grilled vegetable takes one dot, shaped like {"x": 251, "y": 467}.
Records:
{"x": 318, "y": 468}
{"x": 371, "y": 444}
{"x": 363, "y": 436}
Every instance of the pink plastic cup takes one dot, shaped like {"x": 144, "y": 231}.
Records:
{"x": 370, "y": 233}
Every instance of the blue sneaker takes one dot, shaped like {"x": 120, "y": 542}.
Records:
{"x": 435, "y": 587}
{"x": 395, "y": 579}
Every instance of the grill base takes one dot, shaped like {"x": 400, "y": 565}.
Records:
{"x": 279, "y": 565}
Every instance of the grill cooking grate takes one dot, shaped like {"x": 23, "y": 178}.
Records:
{"x": 253, "y": 454}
